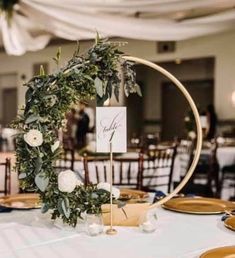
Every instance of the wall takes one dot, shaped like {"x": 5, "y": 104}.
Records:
{"x": 7, "y": 80}
{"x": 219, "y": 46}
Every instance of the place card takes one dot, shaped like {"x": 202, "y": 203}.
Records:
{"x": 111, "y": 126}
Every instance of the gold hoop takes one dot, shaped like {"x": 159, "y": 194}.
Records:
{"x": 180, "y": 86}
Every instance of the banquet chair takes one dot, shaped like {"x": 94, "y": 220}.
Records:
{"x": 228, "y": 178}
{"x": 5, "y": 167}
{"x": 185, "y": 150}
{"x": 207, "y": 168}
{"x": 205, "y": 179}
{"x": 66, "y": 160}
{"x": 126, "y": 172}
{"x": 158, "y": 169}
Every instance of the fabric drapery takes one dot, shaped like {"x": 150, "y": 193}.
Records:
{"x": 35, "y": 22}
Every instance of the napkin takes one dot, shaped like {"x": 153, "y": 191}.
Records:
{"x": 5, "y": 209}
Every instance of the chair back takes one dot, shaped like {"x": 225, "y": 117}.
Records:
{"x": 185, "y": 150}
{"x": 158, "y": 168}
{"x": 5, "y": 168}
{"x": 126, "y": 172}
{"x": 66, "y": 160}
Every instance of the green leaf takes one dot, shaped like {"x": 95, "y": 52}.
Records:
{"x": 138, "y": 90}
{"x": 42, "y": 71}
{"x": 99, "y": 87}
{"x": 109, "y": 89}
{"x": 32, "y": 118}
{"x": 59, "y": 206}
{"x": 116, "y": 93}
{"x": 41, "y": 181}
{"x": 121, "y": 204}
{"x": 126, "y": 91}
{"x": 45, "y": 207}
{"x": 22, "y": 175}
{"x": 28, "y": 95}
{"x": 65, "y": 207}
{"x": 38, "y": 165}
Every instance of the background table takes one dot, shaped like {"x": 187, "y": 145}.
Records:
{"x": 29, "y": 234}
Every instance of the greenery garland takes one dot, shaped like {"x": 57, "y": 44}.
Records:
{"x": 48, "y": 97}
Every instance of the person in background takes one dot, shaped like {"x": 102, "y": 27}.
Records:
{"x": 82, "y": 126}
{"x": 211, "y": 122}
{"x": 69, "y": 135}
{"x": 91, "y": 114}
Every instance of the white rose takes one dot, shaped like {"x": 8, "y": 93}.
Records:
{"x": 106, "y": 187}
{"x": 33, "y": 138}
{"x": 55, "y": 146}
{"x": 192, "y": 135}
{"x": 67, "y": 181}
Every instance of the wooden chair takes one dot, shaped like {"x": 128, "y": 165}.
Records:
{"x": 205, "y": 179}
{"x": 5, "y": 167}
{"x": 158, "y": 168}
{"x": 185, "y": 150}
{"x": 126, "y": 172}
{"x": 66, "y": 160}
{"x": 228, "y": 179}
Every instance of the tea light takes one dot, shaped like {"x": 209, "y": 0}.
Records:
{"x": 147, "y": 226}
{"x": 94, "y": 229}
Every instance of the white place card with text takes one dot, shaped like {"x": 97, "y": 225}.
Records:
{"x": 111, "y": 125}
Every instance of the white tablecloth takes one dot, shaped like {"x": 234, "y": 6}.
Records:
{"x": 31, "y": 235}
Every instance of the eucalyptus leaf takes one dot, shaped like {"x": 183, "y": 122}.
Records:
{"x": 32, "y": 118}
{"x": 126, "y": 91}
{"x": 65, "y": 207}
{"x": 109, "y": 89}
{"x": 116, "y": 93}
{"x": 41, "y": 181}
{"x": 22, "y": 175}
{"x": 38, "y": 165}
{"x": 121, "y": 204}
{"x": 45, "y": 207}
{"x": 138, "y": 90}
{"x": 59, "y": 206}
{"x": 99, "y": 87}
{"x": 28, "y": 95}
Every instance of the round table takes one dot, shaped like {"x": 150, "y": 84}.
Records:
{"x": 30, "y": 234}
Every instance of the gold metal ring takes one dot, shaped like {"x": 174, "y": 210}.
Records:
{"x": 180, "y": 86}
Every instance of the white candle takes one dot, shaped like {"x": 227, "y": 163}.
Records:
{"x": 94, "y": 229}
{"x": 147, "y": 226}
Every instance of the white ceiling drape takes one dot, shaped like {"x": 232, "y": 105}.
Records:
{"x": 36, "y": 21}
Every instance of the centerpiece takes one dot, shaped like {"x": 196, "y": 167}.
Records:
{"x": 95, "y": 74}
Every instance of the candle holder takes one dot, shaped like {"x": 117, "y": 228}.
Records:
{"x": 148, "y": 222}
{"x": 94, "y": 224}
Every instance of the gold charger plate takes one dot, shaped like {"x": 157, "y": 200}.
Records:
{"x": 132, "y": 195}
{"x": 198, "y": 205}
{"x": 230, "y": 223}
{"x": 221, "y": 252}
{"x": 21, "y": 201}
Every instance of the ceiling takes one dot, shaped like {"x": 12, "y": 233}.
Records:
{"x": 35, "y": 22}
